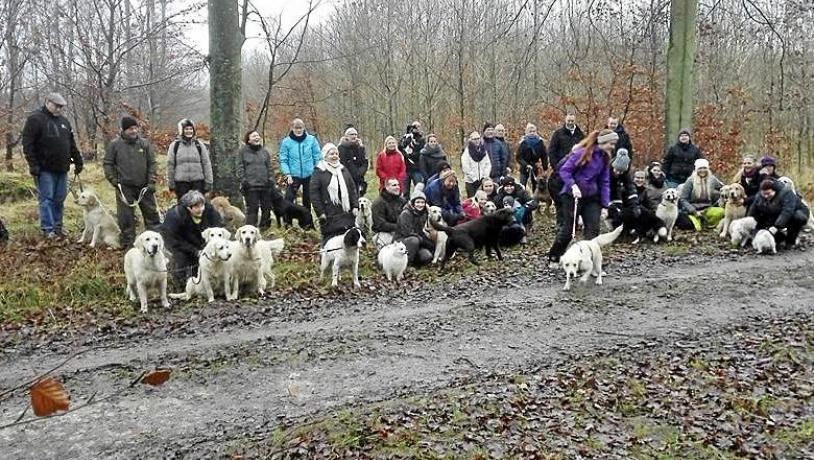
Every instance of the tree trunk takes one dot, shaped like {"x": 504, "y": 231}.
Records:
{"x": 225, "y": 94}
{"x": 680, "y": 67}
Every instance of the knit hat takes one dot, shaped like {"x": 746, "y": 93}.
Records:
{"x": 487, "y": 126}
{"x": 685, "y": 131}
{"x": 509, "y": 180}
{"x": 701, "y": 163}
{"x": 183, "y": 124}
{"x": 351, "y": 130}
{"x": 418, "y": 193}
{"x": 622, "y": 160}
{"x": 611, "y": 136}
{"x": 327, "y": 148}
{"x": 508, "y": 201}
{"x": 767, "y": 160}
{"x": 57, "y": 99}
{"x": 443, "y": 176}
{"x": 127, "y": 122}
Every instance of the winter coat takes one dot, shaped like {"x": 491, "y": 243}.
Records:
{"x": 430, "y": 159}
{"x": 49, "y": 144}
{"x": 449, "y": 200}
{"x": 354, "y": 158}
{"x": 130, "y": 162}
{"x": 623, "y": 191}
{"x": 182, "y": 234}
{"x": 498, "y": 156}
{"x": 299, "y": 155}
{"x": 623, "y": 142}
{"x": 520, "y": 196}
{"x": 779, "y": 211}
{"x": 651, "y": 197}
{"x": 471, "y": 210}
{"x": 389, "y": 165}
{"x": 679, "y": 163}
{"x": 411, "y": 223}
{"x": 187, "y": 164}
{"x": 386, "y": 210}
{"x": 530, "y": 151}
{"x": 750, "y": 184}
{"x": 562, "y": 141}
{"x": 592, "y": 178}
{"x": 691, "y": 204}
{"x": 411, "y": 146}
{"x": 336, "y": 219}
{"x": 475, "y": 170}
{"x": 254, "y": 168}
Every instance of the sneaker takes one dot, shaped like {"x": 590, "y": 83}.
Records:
{"x": 50, "y": 235}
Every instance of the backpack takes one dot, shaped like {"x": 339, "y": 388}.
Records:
{"x": 175, "y": 146}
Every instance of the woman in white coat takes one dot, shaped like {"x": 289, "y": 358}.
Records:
{"x": 475, "y": 164}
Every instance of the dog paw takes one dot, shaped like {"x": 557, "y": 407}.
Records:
{"x": 599, "y": 281}
{"x": 165, "y": 304}
{"x": 357, "y": 285}
{"x": 144, "y": 308}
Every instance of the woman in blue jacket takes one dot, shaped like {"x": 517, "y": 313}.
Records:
{"x": 299, "y": 154}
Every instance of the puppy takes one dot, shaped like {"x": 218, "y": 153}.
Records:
{"x": 667, "y": 210}
{"x": 740, "y": 230}
{"x": 483, "y": 232}
{"x": 212, "y": 270}
{"x": 269, "y": 250}
{"x": 439, "y": 237}
{"x": 145, "y": 267}
{"x": 586, "y": 257}
{"x": 245, "y": 265}
{"x": 342, "y": 251}
{"x": 734, "y": 197}
{"x": 232, "y": 216}
{"x": 364, "y": 219}
{"x": 99, "y": 224}
{"x": 216, "y": 232}
{"x": 764, "y": 241}
{"x": 489, "y": 208}
{"x": 393, "y": 260}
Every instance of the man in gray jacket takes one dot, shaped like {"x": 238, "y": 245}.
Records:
{"x": 130, "y": 168}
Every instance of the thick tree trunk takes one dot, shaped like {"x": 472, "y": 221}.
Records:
{"x": 680, "y": 67}
{"x": 225, "y": 42}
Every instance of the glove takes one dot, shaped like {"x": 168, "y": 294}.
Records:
{"x": 34, "y": 170}
{"x": 77, "y": 168}
{"x": 604, "y": 213}
{"x": 575, "y": 191}
{"x": 637, "y": 211}
{"x": 773, "y": 230}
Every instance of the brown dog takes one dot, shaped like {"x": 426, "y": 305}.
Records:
{"x": 734, "y": 197}
{"x": 232, "y": 216}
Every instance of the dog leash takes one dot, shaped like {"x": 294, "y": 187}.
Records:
{"x": 141, "y": 194}
{"x": 574, "y": 226}
{"x": 78, "y": 181}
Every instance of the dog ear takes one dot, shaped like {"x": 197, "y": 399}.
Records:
{"x": 139, "y": 242}
{"x": 226, "y": 235}
{"x": 206, "y": 234}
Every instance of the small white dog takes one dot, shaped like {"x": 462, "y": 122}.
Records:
{"x": 216, "y": 232}
{"x": 667, "y": 211}
{"x": 489, "y": 208}
{"x": 246, "y": 264}
{"x": 145, "y": 267}
{"x": 212, "y": 270}
{"x": 342, "y": 251}
{"x": 764, "y": 242}
{"x": 364, "y": 219}
{"x": 740, "y": 230}
{"x": 99, "y": 224}
{"x": 433, "y": 230}
{"x": 393, "y": 260}
{"x": 586, "y": 257}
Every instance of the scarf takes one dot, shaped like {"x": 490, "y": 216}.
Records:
{"x": 297, "y": 138}
{"x": 532, "y": 140}
{"x": 337, "y": 188}
{"x": 701, "y": 188}
{"x": 657, "y": 182}
{"x": 434, "y": 152}
{"x": 255, "y": 147}
{"x": 476, "y": 151}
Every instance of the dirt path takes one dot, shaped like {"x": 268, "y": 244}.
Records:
{"x": 244, "y": 380}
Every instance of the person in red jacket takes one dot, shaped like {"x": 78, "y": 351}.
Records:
{"x": 390, "y": 163}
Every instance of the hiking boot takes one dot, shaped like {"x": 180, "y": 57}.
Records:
{"x": 61, "y": 233}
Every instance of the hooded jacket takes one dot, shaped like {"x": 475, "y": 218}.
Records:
{"x": 562, "y": 141}
{"x": 449, "y": 200}
{"x": 390, "y": 164}
{"x": 475, "y": 170}
{"x": 130, "y": 162}
{"x": 411, "y": 222}
{"x": 48, "y": 143}
{"x": 679, "y": 163}
{"x": 182, "y": 234}
{"x": 431, "y": 158}
{"x": 186, "y": 164}
{"x": 386, "y": 210}
{"x": 691, "y": 203}
{"x": 592, "y": 178}
{"x": 299, "y": 155}
{"x": 530, "y": 151}
{"x": 354, "y": 158}
{"x": 623, "y": 191}
{"x": 780, "y": 210}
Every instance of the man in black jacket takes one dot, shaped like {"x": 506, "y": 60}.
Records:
{"x": 50, "y": 148}
{"x": 353, "y": 157}
{"x": 624, "y": 138}
{"x": 386, "y": 210}
{"x": 562, "y": 141}
{"x": 410, "y": 146}
{"x": 780, "y": 210}
{"x": 182, "y": 229}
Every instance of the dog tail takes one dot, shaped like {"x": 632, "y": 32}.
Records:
{"x": 440, "y": 225}
{"x": 180, "y": 296}
{"x": 277, "y": 246}
{"x": 662, "y": 232}
{"x": 608, "y": 238}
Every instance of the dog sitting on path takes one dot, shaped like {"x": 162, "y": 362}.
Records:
{"x": 100, "y": 226}
{"x": 733, "y": 197}
{"x": 145, "y": 267}
{"x": 667, "y": 210}
{"x": 393, "y": 260}
{"x": 586, "y": 257}
{"x": 364, "y": 219}
{"x": 764, "y": 242}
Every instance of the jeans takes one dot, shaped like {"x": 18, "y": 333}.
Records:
{"x": 258, "y": 199}
{"x": 590, "y": 209}
{"x": 415, "y": 176}
{"x": 52, "y": 188}
{"x": 291, "y": 191}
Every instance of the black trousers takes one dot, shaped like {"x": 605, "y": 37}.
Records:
{"x": 472, "y": 187}
{"x": 126, "y": 215}
{"x": 419, "y": 250}
{"x": 591, "y": 211}
{"x": 291, "y": 190}
{"x": 258, "y": 199}
{"x": 555, "y": 185}
{"x": 181, "y": 188}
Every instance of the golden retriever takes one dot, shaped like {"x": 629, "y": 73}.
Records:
{"x": 100, "y": 226}
{"x": 734, "y": 197}
{"x": 212, "y": 270}
{"x": 232, "y": 216}
{"x": 246, "y": 265}
{"x": 145, "y": 267}
{"x": 439, "y": 237}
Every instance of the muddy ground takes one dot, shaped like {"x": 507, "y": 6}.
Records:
{"x": 241, "y": 372}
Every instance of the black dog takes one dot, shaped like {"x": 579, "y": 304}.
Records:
{"x": 285, "y": 211}
{"x": 643, "y": 224}
{"x": 475, "y": 234}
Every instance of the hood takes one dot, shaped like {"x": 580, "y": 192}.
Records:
{"x": 434, "y": 152}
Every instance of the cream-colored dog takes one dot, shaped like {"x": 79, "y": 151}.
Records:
{"x": 100, "y": 226}
{"x": 246, "y": 264}
{"x": 212, "y": 270}
{"x": 586, "y": 257}
{"x": 216, "y": 232}
{"x": 433, "y": 231}
{"x": 269, "y": 250}
{"x": 145, "y": 267}
{"x": 232, "y": 216}
{"x": 734, "y": 197}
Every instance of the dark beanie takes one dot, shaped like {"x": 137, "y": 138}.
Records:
{"x": 767, "y": 184}
{"x": 127, "y": 122}
{"x": 488, "y": 125}
{"x": 768, "y": 160}
{"x": 508, "y": 180}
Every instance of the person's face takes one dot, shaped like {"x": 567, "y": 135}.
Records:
{"x": 639, "y": 179}
{"x": 419, "y": 204}
{"x": 488, "y": 187}
{"x": 132, "y": 132}
{"x": 298, "y": 129}
{"x": 489, "y": 132}
{"x": 54, "y": 108}
{"x": 197, "y": 210}
{"x": 353, "y": 137}
{"x": 767, "y": 194}
{"x": 608, "y": 147}
{"x": 390, "y": 145}
{"x": 475, "y": 138}
{"x": 188, "y": 131}
{"x": 393, "y": 187}
{"x": 684, "y": 138}
{"x": 416, "y": 128}
{"x": 531, "y": 131}
{"x": 254, "y": 138}
{"x": 509, "y": 189}
{"x": 482, "y": 201}
{"x": 450, "y": 183}
{"x": 432, "y": 142}
{"x": 570, "y": 121}
{"x": 332, "y": 156}
{"x": 500, "y": 131}
{"x": 769, "y": 169}
{"x": 656, "y": 171}
{"x": 702, "y": 172}
{"x": 612, "y": 123}
{"x": 748, "y": 164}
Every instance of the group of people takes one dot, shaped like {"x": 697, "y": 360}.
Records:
{"x": 586, "y": 176}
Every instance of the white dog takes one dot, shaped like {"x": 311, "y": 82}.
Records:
{"x": 246, "y": 264}
{"x": 342, "y": 251}
{"x": 667, "y": 211}
{"x": 586, "y": 257}
{"x": 216, "y": 232}
{"x": 145, "y": 267}
{"x": 269, "y": 250}
{"x": 393, "y": 260}
{"x": 212, "y": 270}
{"x": 489, "y": 208}
{"x": 433, "y": 230}
{"x": 764, "y": 241}
{"x": 99, "y": 224}
{"x": 740, "y": 230}
{"x": 364, "y": 218}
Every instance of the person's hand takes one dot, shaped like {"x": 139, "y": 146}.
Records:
{"x": 77, "y": 168}
{"x": 773, "y": 230}
{"x": 763, "y": 171}
{"x": 637, "y": 211}
{"x": 355, "y": 212}
{"x": 603, "y": 213}
{"x": 575, "y": 191}
{"x": 289, "y": 180}
{"x": 34, "y": 170}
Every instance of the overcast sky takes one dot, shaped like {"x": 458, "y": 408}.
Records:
{"x": 291, "y": 11}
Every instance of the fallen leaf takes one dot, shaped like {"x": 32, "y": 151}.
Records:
{"x": 48, "y": 396}
{"x": 156, "y": 377}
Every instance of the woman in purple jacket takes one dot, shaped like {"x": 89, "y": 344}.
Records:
{"x": 586, "y": 181}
